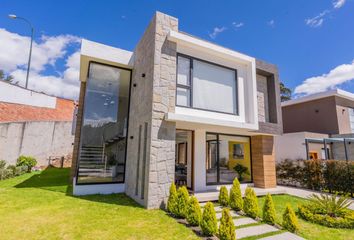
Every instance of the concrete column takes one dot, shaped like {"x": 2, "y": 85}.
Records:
{"x": 199, "y": 161}
{"x": 263, "y": 161}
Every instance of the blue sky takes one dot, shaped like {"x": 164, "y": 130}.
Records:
{"x": 306, "y": 39}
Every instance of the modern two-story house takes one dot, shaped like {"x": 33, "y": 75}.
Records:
{"x": 176, "y": 109}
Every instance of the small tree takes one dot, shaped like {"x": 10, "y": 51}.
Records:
{"x": 290, "y": 221}
{"x": 28, "y": 161}
{"x": 223, "y": 196}
{"x": 269, "y": 210}
{"x": 182, "y": 202}
{"x": 194, "y": 213}
{"x": 227, "y": 227}
{"x": 250, "y": 204}
{"x": 235, "y": 200}
{"x": 172, "y": 199}
{"x": 209, "y": 223}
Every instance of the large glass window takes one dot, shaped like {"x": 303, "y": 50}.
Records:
{"x": 104, "y": 129}
{"x": 228, "y": 157}
{"x": 206, "y": 86}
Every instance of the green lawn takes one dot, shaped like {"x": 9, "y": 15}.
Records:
{"x": 308, "y": 230}
{"x": 40, "y": 206}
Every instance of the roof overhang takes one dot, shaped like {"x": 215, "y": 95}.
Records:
{"x": 331, "y": 93}
{"x": 97, "y": 52}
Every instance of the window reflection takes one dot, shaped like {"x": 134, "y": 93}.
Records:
{"x": 104, "y": 129}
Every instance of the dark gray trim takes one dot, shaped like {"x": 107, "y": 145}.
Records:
{"x": 218, "y": 157}
{"x": 81, "y": 132}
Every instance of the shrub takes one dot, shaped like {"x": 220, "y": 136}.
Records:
{"x": 5, "y": 174}
{"x": 250, "y": 203}
{"x": 235, "y": 200}
{"x": 269, "y": 210}
{"x": 28, "y": 161}
{"x": 308, "y": 213}
{"x": 227, "y": 227}
{"x": 240, "y": 169}
{"x": 223, "y": 196}
{"x": 312, "y": 175}
{"x": 182, "y": 202}
{"x": 172, "y": 198}
{"x": 209, "y": 222}
{"x": 2, "y": 164}
{"x": 194, "y": 213}
{"x": 329, "y": 204}
{"x": 290, "y": 221}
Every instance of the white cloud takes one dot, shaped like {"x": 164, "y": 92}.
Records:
{"x": 46, "y": 52}
{"x": 271, "y": 23}
{"x": 216, "y": 31}
{"x": 317, "y": 21}
{"x": 238, "y": 25}
{"x": 338, "y": 75}
{"x": 338, "y": 3}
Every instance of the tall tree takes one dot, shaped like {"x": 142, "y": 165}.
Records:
{"x": 285, "y": 93}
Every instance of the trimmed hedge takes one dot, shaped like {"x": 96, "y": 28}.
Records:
{"x": 209, "y": 223}
{"x": 235, "y": 199}
{"x": 269, "y": 210}
{"x": 250, "y": 203}
{"x": 333, "y": 176}
{"x": 227, "y": 226}
{"x": 182, "y": 202}
{"x": 223, "y": 196}
{"x": 290, "y": 221}
{"x": 194, "y": 212}
{"x": 172, "y": 199}
{"x": 347, "y": 221}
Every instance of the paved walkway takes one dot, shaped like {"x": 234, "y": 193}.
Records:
{"x": 248, "y": 227}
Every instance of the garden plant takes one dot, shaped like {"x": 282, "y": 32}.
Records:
{"x": 209, "y": 222}
{"x": 235, "y": 199}
{"x": 250, "y": 204}
{"x": 223, "y": 196}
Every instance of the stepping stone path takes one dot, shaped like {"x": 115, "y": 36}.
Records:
{"x": 283, "y": 236}
{"x": 243, "y": 231}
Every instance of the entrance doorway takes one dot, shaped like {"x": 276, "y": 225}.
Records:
{"x": 184, "y": 158}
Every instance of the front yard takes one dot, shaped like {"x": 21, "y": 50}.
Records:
{"x": 39, "y": 206}
{"x": 308, "y": 230}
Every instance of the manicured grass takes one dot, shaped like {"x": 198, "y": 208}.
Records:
{"x": 307, "y": 230}
{"x": 40, "y": 206}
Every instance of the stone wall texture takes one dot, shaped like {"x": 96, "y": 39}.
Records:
{"x": 151, "y": 146}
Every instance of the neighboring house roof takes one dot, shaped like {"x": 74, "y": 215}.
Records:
{"x": 18, "y": 104}
{"x": 330, "y": 93}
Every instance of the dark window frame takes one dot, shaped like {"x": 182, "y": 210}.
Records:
{"x": 81, "y": 132}
{"x": 191, "y": 59}
{"x": 218, "y": 158}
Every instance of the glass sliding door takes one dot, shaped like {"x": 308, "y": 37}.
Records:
{"x": 104, "y": 128}
{"x": 228, "y": 157}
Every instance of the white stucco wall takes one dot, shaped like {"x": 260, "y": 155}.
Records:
{"x": 14, "y": 94}
{"x": 292, "y": 145}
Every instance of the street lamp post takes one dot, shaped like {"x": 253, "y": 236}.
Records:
{"x": 12, "y": 16}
